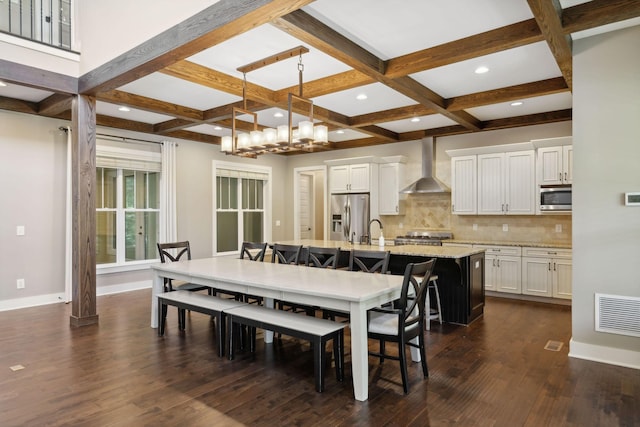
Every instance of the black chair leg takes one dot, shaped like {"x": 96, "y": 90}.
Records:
{"x": 230, "y": 335}
{"x": 220, "y": 331}
{"x": 163, "y": 319}
{"x": 382, "y": 351}
{"x": 423, "y": 358}
{"x": 403, "y": 367}
{"x": 338, "y": 355}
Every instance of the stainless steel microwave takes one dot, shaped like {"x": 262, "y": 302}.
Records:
{"x": 555, "y": 198}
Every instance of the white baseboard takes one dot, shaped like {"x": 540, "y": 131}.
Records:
{"x": 14, "y": 304}
{"x": 123, "y": 287}
{"x": 609, "y": 355}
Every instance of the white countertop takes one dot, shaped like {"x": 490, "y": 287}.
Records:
{"x": 417, "y": 250}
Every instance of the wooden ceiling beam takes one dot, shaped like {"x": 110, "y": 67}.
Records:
{"x": 529, "y": 120}
{"x": 124, "y": 124}
{"x": 596, "y": 13}
{"x": 150, "y": 104}
{"x": 195, "y": 136}
{"x": 18, "y": 105}
{"x": 213, "y": 25}
{"x": 330, "y": 84}
{"x": 24, "y": 75}
{"x": 393, "y": 114}
{"x": 508, "y": 37}
{"x": 507, "y": 94}
{"x": 304, "y": 27}
{"x": 547, "y": 14}
{"x": 55, "y": 104}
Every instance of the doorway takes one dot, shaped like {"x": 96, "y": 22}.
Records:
{"x": 309, "y": 205}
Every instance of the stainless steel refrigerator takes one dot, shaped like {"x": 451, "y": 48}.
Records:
{"x": 349, "y": 216}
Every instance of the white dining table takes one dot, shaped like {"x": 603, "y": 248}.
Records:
{"x": 355, "y": 292}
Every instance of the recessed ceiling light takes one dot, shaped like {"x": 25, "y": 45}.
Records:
{"x": 517, "y": 103}
{"x": 415, "y": 119}
{"x": 2, "y": 84}
{"x": 340, "y": 131}
{"x": 361, "y": 97}
{"x": 125, "y": 109}
{"x": 278, "y": 114}
{"x": 481, "y": 70}
{"x": 217, "y": 128}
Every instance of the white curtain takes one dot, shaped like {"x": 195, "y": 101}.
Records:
{"x": 68, "y": 262}
{"x": 168, "y": 225}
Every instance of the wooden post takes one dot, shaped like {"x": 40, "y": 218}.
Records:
{"x": 83, "y": 305}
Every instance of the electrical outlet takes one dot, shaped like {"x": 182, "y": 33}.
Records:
{"x": 475, "y": 227}
{"x": 401, "y": 225}
{"x": 277, "y": 223}
{"x": 20, "y": 283}
{"x": 558, "y": 228}
{"x": 505, "y": 227}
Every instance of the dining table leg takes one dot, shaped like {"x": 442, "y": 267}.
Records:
{"x": 359, "y": 351}
{"x": 268, "y": 335}
{"x": 156, "y": 288}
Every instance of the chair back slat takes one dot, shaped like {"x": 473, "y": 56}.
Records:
{"x": 369, "y": 261}
{"x": 247, "y": 247}
{"x": 167, "y": 251}
{"x": 322, "y": 257}
{"x": 286, "y": 254}
{"x": 414, "y": 292}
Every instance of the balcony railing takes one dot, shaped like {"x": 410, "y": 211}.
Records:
{"x": 43, "y": 21}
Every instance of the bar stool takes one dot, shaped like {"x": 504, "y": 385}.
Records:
{"x": 432, "y": 314}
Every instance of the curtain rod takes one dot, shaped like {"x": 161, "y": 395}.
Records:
{"x": 121, "y": 138}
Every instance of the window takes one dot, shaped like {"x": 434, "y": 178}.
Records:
{"x": 241, "y": 207}
{"x": 127, "y": 215}
{"x": 127, "y": 205}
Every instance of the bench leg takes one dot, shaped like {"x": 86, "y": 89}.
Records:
{"x": 162, "y": 319}
{"x": 230, "y": 336}
{"x": 220, "y": 332}
{"x": 318, "y": 363}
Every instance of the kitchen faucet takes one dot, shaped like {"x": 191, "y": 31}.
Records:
{"x": 367, "y": 237}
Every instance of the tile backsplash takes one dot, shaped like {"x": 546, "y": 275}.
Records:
{"x": 433, "y": 211}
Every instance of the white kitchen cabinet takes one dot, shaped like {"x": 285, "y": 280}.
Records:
{"x": 503, "y": 268}
{"x": 555, "y": 165}
{"x": 390, "y": 177}
{"x": 464, "y": 188}
{"x": 350, "y": 178}
{"x": 546, "y": 272}
{"x": 506, "y": 183}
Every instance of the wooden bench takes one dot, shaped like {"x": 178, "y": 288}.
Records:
{"x": 201, "y": 303}
{"x": 317, "y": 331}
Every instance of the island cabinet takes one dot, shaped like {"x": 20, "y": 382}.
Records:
{"x": 506, "y": 183}
{"x": 503, "y": 268}
{"x": 353, "y": 178}
{"x": 546, "y": 272}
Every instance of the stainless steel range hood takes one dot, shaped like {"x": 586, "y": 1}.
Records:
{"x": 427, "y": 183}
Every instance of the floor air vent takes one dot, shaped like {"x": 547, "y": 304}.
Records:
{"x": 553, "y": 345}
{"x": 618, "y": 314}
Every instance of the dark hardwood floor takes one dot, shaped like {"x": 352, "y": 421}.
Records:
{"x": 495, "y": 372}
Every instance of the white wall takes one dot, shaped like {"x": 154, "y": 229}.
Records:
{"x": 32, "y": 190}
{"x": 606, "y": 234}
{"x": 111, "y": 28}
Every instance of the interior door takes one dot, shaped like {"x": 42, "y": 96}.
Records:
{"x": 305, "y": 195}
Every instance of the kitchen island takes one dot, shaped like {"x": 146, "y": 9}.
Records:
{"x": 460, "y": 273}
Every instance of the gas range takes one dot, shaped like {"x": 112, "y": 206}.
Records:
{"x": 423, "y": 237}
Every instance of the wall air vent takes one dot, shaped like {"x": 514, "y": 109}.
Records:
{"x": 618, "y": 314}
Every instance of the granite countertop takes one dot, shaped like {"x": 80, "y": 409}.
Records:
{"x": 523, "y": 244}
{"x": 418, "y": 250}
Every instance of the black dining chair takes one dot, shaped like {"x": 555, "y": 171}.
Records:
{"x": 286, "y": 254}
{"x": 173, "y": 252}
{"x": 255, "y": 252}
{"x": 405, "y": 320}
{"x": 369, "y": 261}
{"x": 322, "y": 257}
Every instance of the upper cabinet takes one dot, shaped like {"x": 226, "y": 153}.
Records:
{"x": 506, "y": 183}
{"x": 390, "y": 179}
{"x": 464, "y": 185}
{"x": 350, "y": 178}
{"x": 555, "y": 160}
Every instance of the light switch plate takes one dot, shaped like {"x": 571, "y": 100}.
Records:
{"x": 505, "y": 227}
{"x": 475, "y": 227}
{"x": 558, "y": 228}
{"x": 20, "y": 230}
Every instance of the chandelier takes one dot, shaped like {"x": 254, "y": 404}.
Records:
{"x": 304, "y": 136}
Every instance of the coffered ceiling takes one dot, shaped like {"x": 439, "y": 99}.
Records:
{"x": 413, "y": 60}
